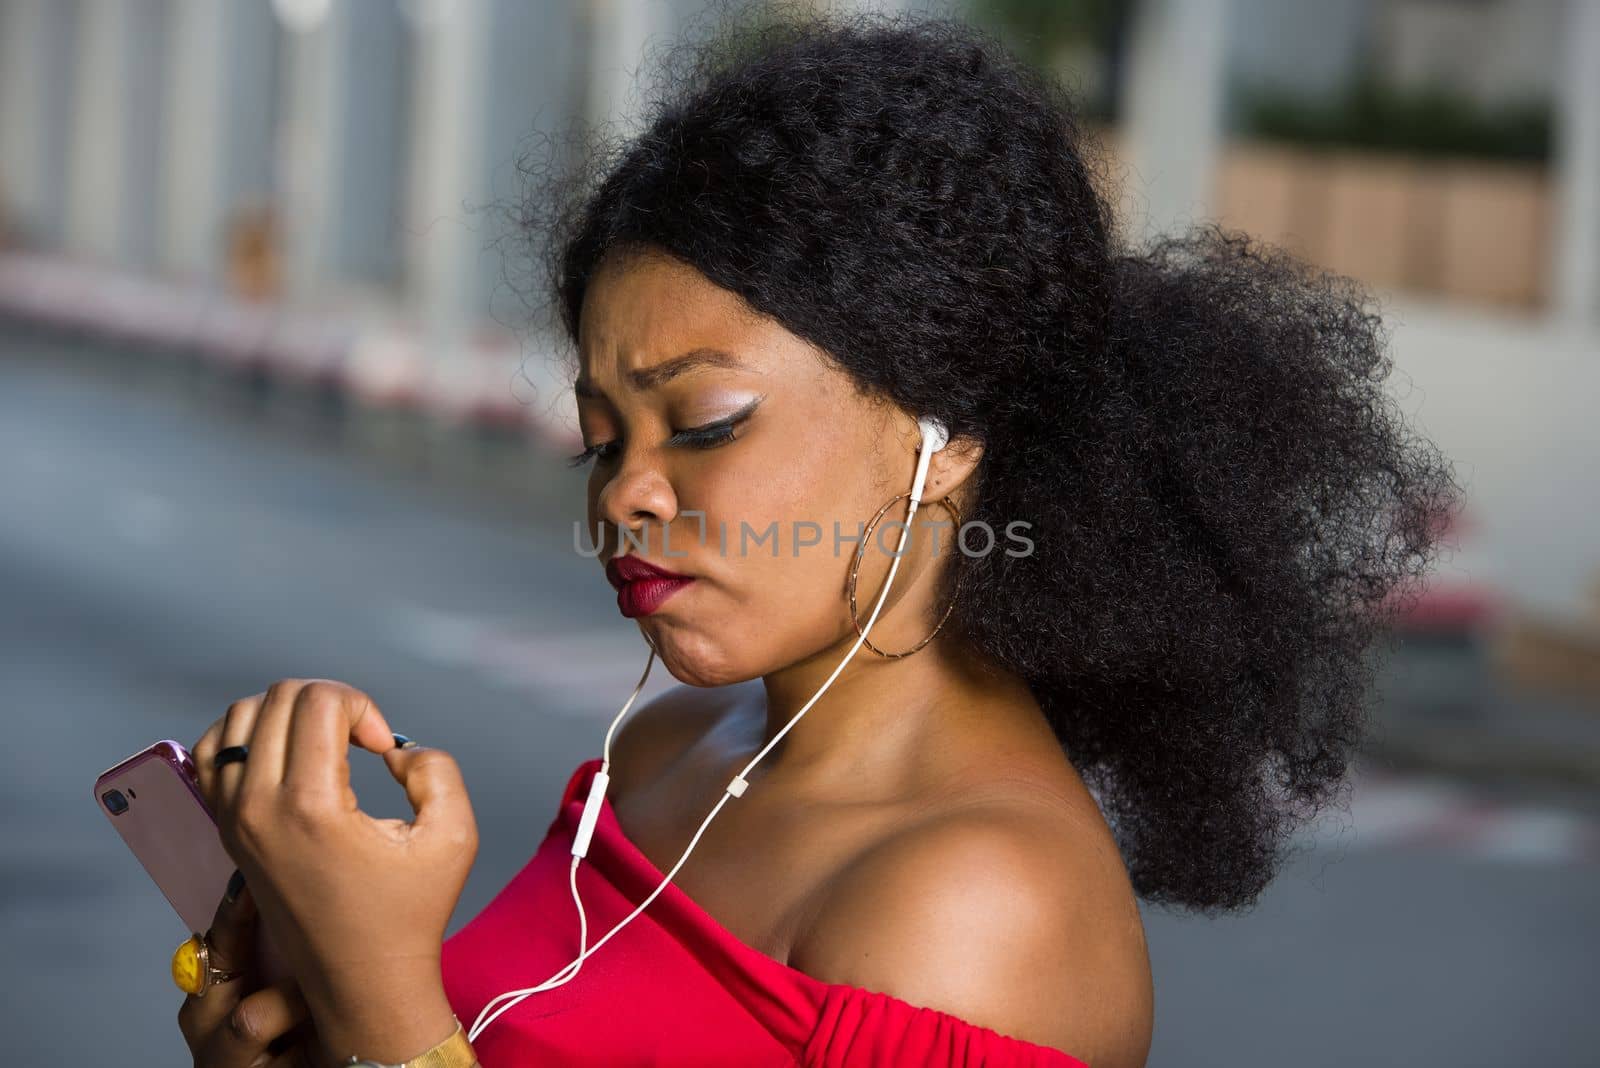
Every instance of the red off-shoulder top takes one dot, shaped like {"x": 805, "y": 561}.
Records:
{"x": 674, "y": 987}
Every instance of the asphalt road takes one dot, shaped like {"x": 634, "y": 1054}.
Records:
{"x": 158, "y": 559}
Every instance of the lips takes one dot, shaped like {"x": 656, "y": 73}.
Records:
{"x": 642, "y": 587}
{"x": 625, "y": 569}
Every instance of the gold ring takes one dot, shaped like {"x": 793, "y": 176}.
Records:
{"x": 192, "y": 970}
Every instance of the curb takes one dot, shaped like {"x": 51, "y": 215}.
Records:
{"x": 376, "y": 358}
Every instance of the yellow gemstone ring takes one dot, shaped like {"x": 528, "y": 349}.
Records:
{"x": 192, "y": 970}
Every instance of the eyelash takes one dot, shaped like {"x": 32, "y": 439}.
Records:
{"x": 708, "y": 436}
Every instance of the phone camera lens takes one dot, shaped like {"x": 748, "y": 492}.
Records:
{"x": 116, "y": 804}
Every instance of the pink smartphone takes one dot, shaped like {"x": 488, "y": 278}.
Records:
{"x": 153, "y": 800}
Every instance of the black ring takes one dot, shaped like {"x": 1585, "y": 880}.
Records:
{"x": 233, "y": 754}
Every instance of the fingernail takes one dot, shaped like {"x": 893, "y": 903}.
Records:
{"x": 235, "y": 885}
{"x": 403, "y": 742}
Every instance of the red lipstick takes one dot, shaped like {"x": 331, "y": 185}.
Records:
{"x": 642, "y": 587}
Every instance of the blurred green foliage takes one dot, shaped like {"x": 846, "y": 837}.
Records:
{"x": 1040, "y": 30}
{"x": 1052, "y": 23}
{"x": 1371, "y": 115}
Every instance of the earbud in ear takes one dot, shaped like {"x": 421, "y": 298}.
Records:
{"x": 934, "y": 434}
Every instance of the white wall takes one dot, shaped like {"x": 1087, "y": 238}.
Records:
{"x": 1511, "y": 400}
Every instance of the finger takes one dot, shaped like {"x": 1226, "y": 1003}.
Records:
{"x": 368, "y": 727}
{"x": 237, "y": 727}
{"x": 233, "y": 929}
{"x": 231, "y": 943}
{"x": 254, "y": 1023}
{"x": 434, "y": 786}
{"x": 204, "y": 752}
{"x": 318, "y": 761}
{"x": 329, "y": 718}
{"x": 269, "y": 738}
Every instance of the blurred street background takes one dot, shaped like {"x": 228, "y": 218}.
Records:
{"x": 272, "y": 404}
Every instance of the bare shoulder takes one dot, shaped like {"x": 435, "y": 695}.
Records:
{"x": 1008, "y": 913}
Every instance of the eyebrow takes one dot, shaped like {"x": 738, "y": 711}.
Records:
{"x": 650, "y": 377}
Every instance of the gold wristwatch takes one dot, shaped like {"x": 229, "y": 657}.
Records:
{"x": 453, "y": 1052}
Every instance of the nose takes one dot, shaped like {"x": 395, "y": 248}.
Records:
{"x": 637, "y": 495}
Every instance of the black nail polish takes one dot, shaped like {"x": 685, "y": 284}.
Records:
{"x": 235, "y": 885}
{"x": 402, "y": 741}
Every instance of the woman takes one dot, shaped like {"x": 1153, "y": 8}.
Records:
{"x": 832, "y": 229}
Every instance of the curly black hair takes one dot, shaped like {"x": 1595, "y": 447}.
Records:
{"x": 1225, "y": 505}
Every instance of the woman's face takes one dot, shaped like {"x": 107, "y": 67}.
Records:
{"x": 743, "y": 453}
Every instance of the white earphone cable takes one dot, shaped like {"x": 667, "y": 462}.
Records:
{"x": 735, "y": 788}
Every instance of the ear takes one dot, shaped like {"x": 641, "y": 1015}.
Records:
{"x": 951, "y": 468}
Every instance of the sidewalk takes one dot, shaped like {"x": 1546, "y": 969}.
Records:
{"x": 370, "y": 355}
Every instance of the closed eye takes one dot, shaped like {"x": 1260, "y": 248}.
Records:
{"x": 592, "y": 452}
{"x": 707, "y": 436}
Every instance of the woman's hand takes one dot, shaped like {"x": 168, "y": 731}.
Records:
{"x": 357, "y": 906}
{"x": 229, "y": 1028}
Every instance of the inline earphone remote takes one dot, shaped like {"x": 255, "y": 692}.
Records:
{"x": 935, "y": 436}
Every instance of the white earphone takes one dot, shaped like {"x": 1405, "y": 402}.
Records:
{"x": 935, "y": 436}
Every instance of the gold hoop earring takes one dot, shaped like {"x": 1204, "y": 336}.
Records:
{"x": 855, "y": 567}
